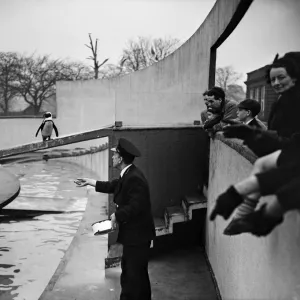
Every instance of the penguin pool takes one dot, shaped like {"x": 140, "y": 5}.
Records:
{"x": 37, "y": 227}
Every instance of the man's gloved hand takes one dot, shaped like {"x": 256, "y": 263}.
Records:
{"x": 239, "y": 131}
{"x": 263, "y": 222}
{"x": 226, "y": 203}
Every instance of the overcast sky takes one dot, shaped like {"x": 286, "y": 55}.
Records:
{"x": 269, "y": 27}
{"x": 61, "y": 27}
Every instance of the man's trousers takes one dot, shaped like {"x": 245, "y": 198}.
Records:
{"x": 135, "y": 281}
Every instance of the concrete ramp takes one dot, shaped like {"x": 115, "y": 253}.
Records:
{"x": 66, "y": 140}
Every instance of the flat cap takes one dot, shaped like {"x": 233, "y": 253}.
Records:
{"x": 250, "y": 104}
{"x": 125, "y": 147}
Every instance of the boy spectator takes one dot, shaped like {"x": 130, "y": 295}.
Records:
{"x": 247, "y": 111}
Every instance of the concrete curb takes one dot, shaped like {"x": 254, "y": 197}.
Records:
{"x": 83, "y": 263}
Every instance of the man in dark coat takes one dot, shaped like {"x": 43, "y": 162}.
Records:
{"x": 133, "y": 217}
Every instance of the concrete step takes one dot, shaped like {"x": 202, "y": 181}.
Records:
{"x": 179, "y": 213}
{"x": 160, "y": 227}
{"x": 191, "y": 202}
{"x": 174, "y": 214}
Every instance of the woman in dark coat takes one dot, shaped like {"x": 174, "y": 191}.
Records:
{"x": 284, "y": 76}
{"x": 283, "y": 122}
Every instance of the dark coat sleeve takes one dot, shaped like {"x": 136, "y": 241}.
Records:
{"x": 264, "y": 142}
{"x": 229, "y": 116}
{"x": 210, "y": 123}
{"x": 271, "y": 181}
{"x": 137, "y": 196}
{"x": 107, "y": 187}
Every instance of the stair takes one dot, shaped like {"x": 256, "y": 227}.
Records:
{"x": 179, "y": 213}
{"x": 160, "y": 227}
{"x": 189, "y": 203}
{"x": 163, "y": 226}
{"x": 174, "y": 214}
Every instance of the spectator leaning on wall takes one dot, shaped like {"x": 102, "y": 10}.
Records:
{"x": 204, "y": 112}
{"x": 247, "y": 113}
{"x": 226, "y": 109}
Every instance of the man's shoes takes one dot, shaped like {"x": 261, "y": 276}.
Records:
{"x": 238, "y": 226}
{"x": 226, "y": 203}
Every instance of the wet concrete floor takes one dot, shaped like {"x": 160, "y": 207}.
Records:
{"x": 176, "y": 271}
{"x": 75, "y": 269}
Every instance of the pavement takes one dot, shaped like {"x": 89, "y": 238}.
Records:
{"x": 176, "y": 272}
{"x": 177, "y": 269}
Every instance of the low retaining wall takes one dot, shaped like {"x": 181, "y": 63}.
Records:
{"x": 83, "y": 264}
{"x": 94, "y": 159}
{"x": 247, "y": 267}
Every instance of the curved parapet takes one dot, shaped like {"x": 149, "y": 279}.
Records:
{"x": 166, "y": 93}
{"x": 10, "y": 187}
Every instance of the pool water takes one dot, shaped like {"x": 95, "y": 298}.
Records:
{"x": 37, "y": 228}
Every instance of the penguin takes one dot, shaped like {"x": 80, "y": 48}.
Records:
{"x": 47, "y": 126}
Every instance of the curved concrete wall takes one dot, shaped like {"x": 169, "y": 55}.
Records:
{"x": 247, "y": 267}
{"x": 81, "y": 272}
{"x": 97, "y": 162}
{"x": 169, "y": 92}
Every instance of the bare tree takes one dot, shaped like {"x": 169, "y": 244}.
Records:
{"x": 136, "y": 55}
{"x": 94, "y": 57}
{"x": 227, "y": 79}
{"x": 9, "y": 64}
{"x": 162, "y": 47}
{"x": 235, "y": 92}
{"x": 36, "y": 80}
{"x": 75, "y": 71}
{"x": 144, "y": 51}
{"x": 226, "y": 76}
{"x": 111, "y": 71}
